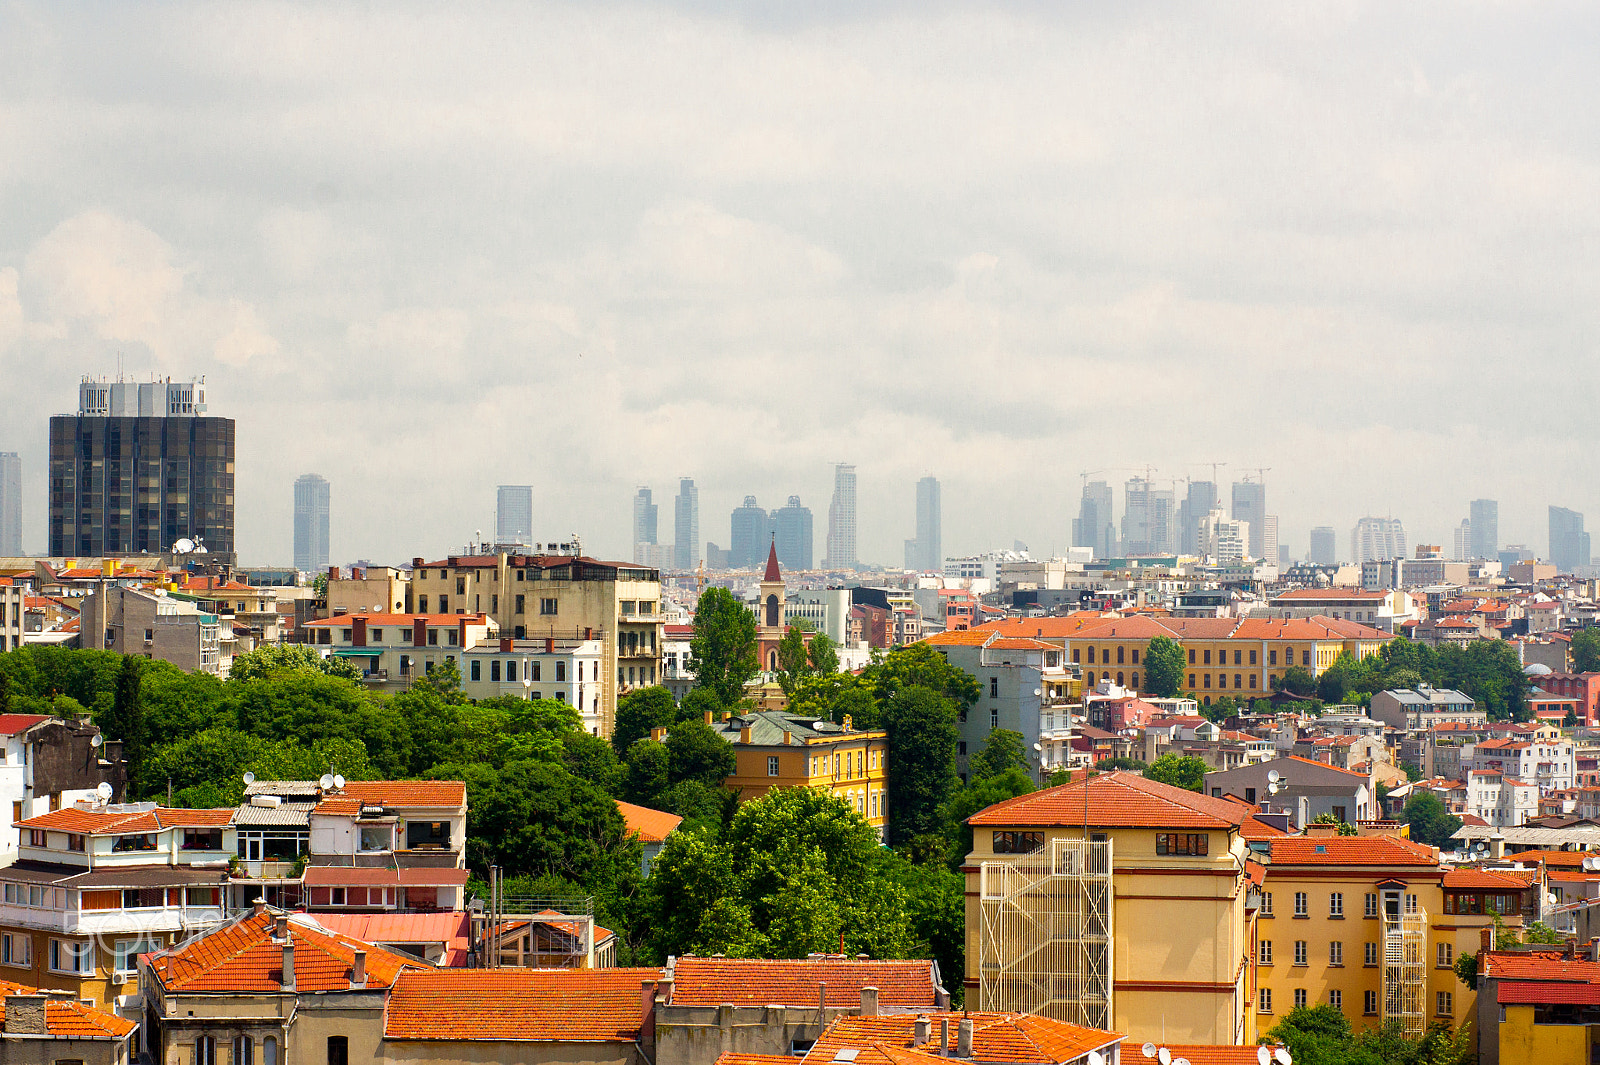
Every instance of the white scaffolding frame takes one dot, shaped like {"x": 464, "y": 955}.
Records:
{"x": 1405, "y": 976}
{"x": 1045, "y": 941}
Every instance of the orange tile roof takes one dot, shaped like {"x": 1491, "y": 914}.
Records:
{"x": 1570, "y": 876}
{"x": 1544, "y": 993}
{"x": 1115, "y": 799}
{"x": 113, "y": 823}
{"x": 406, "y": 792}
{"x": 1351, "y": 850}
{"x": 590, "y": 1005}
{"x": 795, "y": 982}
{"x": 243, "y": 957}
{"x": 1325, "y": 765}
{"x": 651, "y": 826}
{"x": 12, "y": 724}
{"x": 1488, "y": 880}
{"x": 1018, "y": 1038}
{"x": 733, "y": 1058}
{"x": 1198, "y": 1053}
{"x": 74, "y": 1020}
{"x": 1536, "y": 965}
{"x": 1573, "y": 859}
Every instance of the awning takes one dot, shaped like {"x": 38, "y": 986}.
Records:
{"x": 357, "y": 652}
{"x": 345, "y": 876}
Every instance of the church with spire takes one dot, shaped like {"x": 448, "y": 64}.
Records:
{"x": 769, "y": 613}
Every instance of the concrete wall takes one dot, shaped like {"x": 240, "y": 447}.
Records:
{"x": 696, "y": 1035}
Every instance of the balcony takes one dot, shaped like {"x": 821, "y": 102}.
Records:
{"x": 376, "y": 676}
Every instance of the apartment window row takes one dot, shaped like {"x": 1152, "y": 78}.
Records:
{"x": 1130, "y": 680}
{"x": 1123, "y": 658}
{"x": 1018, "y": 842}
{"x": 532, "y": 671}
{"x": 1186, "y": 844}
{"x": 244, "y": 1051}
{"x": 1222, "y": 657}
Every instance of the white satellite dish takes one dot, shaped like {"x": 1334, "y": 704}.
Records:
{"x": 326, "y": 781}
{"x": 183, "y": 546}
{"x": 1038, "y": 747}
{"x": 1038, "y": 691}
{"x": 1164, "y": 1056}
{"x": 1148, "y": 1050}
{"x": 1263, "y": 1056}
{"x": 96, "y": 740}
{"x": 1282, "y": 1054}
{"x": 338, "y": 781}
{"x": 1180, "y": 1061}
{"x": 1273, "y": 776}
{"x": 104, "y": 790}
{"x": 249, "y": 778}
{"x": 1096, "y": 1058}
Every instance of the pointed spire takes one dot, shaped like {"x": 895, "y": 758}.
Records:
{"x": 772, "y": 564}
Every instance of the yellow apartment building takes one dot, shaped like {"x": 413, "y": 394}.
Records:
{"x": 774, "y": 749}
{"x": 1225, "y": 656}
{"x": 1372, "y": 925}
{"x": 1115, "y": 902}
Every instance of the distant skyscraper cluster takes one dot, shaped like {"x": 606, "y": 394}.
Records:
{"x": 1324, "y": 550}
{"x": 10, "y": 504}
{"x": 1156, "y": 523}
{"x": 311, "y": 511}
{"x": 1377, "y": 540}
{"x": 513, "y": 514}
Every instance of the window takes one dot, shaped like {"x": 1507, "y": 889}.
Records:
{"x": 1017, "y": 842}
{"x": 994, "y": 687}
{"x": 1208, "y": 680}
{"x": 1336, "y": 998}
{"x": 547, "y": 606}
{"x": 243, "y": 1050}
{"x": 461, "y": 586}
{"x": 143, "y": 898}
{"x": 1446, "y": 951}
{"x": 1411, "y": 904}
{"x": 1370, "y": 908}
{"x": 1272, "y": 658}
{"x": 269, "y": 1051}
{"x": 494, "y": 670}
{"x": 433, "y": 641}
{"x": 1266, "y": 996}
{"x": 1369, "y": 954}
{"x": 1236, "y": 678}
{"x": 128, "y": 951}
{"x": 477, "y": 669}
{"x": 338, "y": 1050}
{"x": 336, "y": 896}
{"x": 1300, "y": 902}
{"x": 1369, "y": 1003}
{"x": 1336, "y": 953}
{"x": 1182, "y": 843}
{"x": 494, "y": 604}
{"x": 135, "y": 843}
{"x": 511, "y": 670}
{"x": 377, "y": 635}
{"x": 1338, "y": 812}
{"x": 1134, "y": 681}
{"x": 1191, "y": 662}
{"x": 1299, "y": 997}
{"x": 36, "y": 837}
{"x": 1300, "y": 952}
{"x": 205, "y": 1051}
{"x": 202, "y": 839}
{"x": 1121, "y": 656}
{"x": 427, "y": 834}
{"x": 772, "y": 765}
{"x": 202, "y": 896}
{"x": 422, "y": 604}
{"x": 1305, "y": 658}
{"x": 16, "y": 949}
{"x": 1266, "y": 904}
{"x": 1252, "y": 658}
{"x": 1207, "y": 659}
{"x": 1445, "y": 1004}
{"x": 376, "y": 837}
{"x": 1191, "y": 678}
{"x": 1336, "y": 904}
{"x": 1264, "y": 952}
{"x": 444, "y": 604}
{"x": 69, "y": 957}
{"x": 994, "y": 719}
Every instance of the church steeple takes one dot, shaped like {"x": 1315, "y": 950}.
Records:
{"x": 772, "y": 573}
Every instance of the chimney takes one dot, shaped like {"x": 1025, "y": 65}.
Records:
{"x": 788, "y": 737}
{"x": 744, "y": 733}
{"x": 1485, "y": 939}
{"x": 259, "y": 907}
{"x": 923, "y": 1032}
{"x": 822, "y": 996}
{"x": 869, "y": 1002}
{"x": 549, "y": 645}
{"x": 944, "y": 1037}
{"x": 964, "y": 1038}
{"x": 358, "y": 968}
{"x": 280, "y": 927}
{"x": 505, "y": 645}
{"x": 287, "y": 982}
{"x": 708, "y": 718}
{"x": 25, "y": 1015}
{"x": 1497, "y": 846}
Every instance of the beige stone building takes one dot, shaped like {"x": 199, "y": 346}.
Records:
{"x": 132, "y": 621}
{"x": 557, "y": 597}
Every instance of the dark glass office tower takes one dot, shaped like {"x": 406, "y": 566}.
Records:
{"x": 139, "y": 468}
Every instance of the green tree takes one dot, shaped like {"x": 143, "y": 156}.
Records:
{"x": 644, "y": 772}
{"x": 126, "y": 721}
{"x": 1330, "y": 819}
{"x": 1296, "y": 680}
{"x": 722, "y": 654}
{"x": 822, "y": 655}
{"x": 1320, "y": 1035}
{"x": 1586, "y": 651}
{"x": 1002, "y": 749}
{"x": 1108, "y": 764}
{"x": 638, "y": 712}
{"x": 977, "y": 794}
{"x": 1164, "y": 661}
{"x": 920, "y": 666}
{"x": 207, "y": 769}
{"x": 1430, "y": 822}
{"x": 922, "y": 733}
{"x": 696, "y": 752}
{"x": 271, "y": 659}
{"x": 1180, "y": 771}
{"x": 793, "y": 663}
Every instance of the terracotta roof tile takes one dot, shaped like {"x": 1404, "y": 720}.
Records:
{"x": 652, "y": 826}
{"x": 406, "y": 792}
{"x": 113, "y": 823}
{"x": 1351, "y": 850}
{"x": 1489, "y": 880}
{"x": 1536, "y": 965}
{"x": 795, "y": 982}
{"x": 518, "y": 1004}
{"x": 1115, "y": 799}
{"x": 1541, "y": 993}
{"x": 74, "y": 1020}
{"x": 243, "y": 957}
{"x": 11, "y": 724}
{"x": 1018, "y": 1038}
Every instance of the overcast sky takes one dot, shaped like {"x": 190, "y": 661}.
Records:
{"x": 424, "y": 250}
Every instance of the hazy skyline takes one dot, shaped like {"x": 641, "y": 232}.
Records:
{"x": 427, "y": 251}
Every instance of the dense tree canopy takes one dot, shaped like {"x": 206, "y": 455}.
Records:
{"x": 722, "y": 655}
{"x": 1430, "y": 822}
{"x": 921, "y": 724}
{"x": 1164, "y": 661}
{"x": 1181, "y": 771}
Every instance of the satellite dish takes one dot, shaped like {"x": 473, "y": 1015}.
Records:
{"x": 183, "y": 546}
{"x": 1164, "y": 1056}
{"x": 338, "y": 781}
{"x": 1038, "y": 691}
{"x": 1263, "y": 1056}
{"x": 326, "y": 781}
{"x": 1038, "y": 747}
{"x": 104, "y": 790}
{"x": 1180, "y": 1061}
{"x": 1096, "y": 1058}
{"x": 1282, "y": 1054}
{"x": 1148, "y": 1050}
{"x": 249, "y": 778}
{"x": 96, "y": 740}
{"x": 1273, "y": 776}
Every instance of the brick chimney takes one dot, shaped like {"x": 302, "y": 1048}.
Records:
{"x": 287, "y": 983}
{"x": 358, "y": 968}
{"x": 25, "y": 1015}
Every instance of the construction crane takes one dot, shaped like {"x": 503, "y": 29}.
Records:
{"x": 1214, "y": 467}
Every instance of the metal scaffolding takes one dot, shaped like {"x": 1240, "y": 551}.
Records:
{"x": 1405, "y": 941}
{"x": 1045, "y": 937}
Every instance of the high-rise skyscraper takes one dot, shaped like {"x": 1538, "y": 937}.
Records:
{"x": 1569, "y": 544}
{"x": 1147, "y": 519}
{"x": 513, "y": 514}
{"x": 311, "y": 509}
{"x": 1269, "y": 541}
{"x": 1377, "y": 540}
{"x": 926, "y": 552}
{"x": 1324, "y": 546}
{"x": 792, "y": 528}
{"x": 10, "y": 504}
{"x": 139, "y": 468}
{"x": 1250, "y": 504}
{"x": 686, "y": 548}
{"x": 842, "y": 519}
{"x": 750, "y": 536}
{"x": 1485, "y": 517}
{"x": 644, "y": 526}
{"x": 1095, "y": 526}
{"x": 1462, "y": 541}
{"x": 1198, "y": 503}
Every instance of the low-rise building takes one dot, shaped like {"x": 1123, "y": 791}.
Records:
{"x": 568, "y": 671}
{"x": 1549, "y": 764}
{"x": 392, "y": 650}
{"x": 51, "y": 1028}
{"x": 1022, "y": 682}
{"x": 1423, "y": 707}
{"x": 133, "y": 621}
{"x": 1306, "y": 788}
{"x": 48, "y": 763}
{"x": 1583, "y": 687}
{"x": 1536, "y": 1007}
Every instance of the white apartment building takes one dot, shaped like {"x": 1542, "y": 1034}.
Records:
{"x": 1382, "y": 609}
{"x": 13, "y": 601}
{"x": 1023, "y": 685}
{"x": 1548, "y": 765}
{"x": 1503, "y": 801}
{"x": 566, "y": 671}
{"x": 391, "y": 649}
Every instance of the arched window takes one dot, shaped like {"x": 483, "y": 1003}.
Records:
{"x": 772, "y": 661}
{"x": 205, "y": 1050}
{"x": 243, "y": 1050}
{"x": 269, "y": 1051}
{"x": 1119, "y": 680}
{"x": 772, "y": 611}
{"x": 1135, "y": 679}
